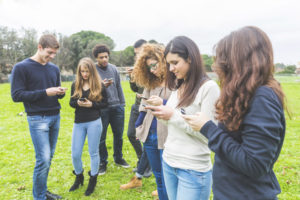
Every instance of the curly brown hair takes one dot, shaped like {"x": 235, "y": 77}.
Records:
{"x": 243, "y": 62}
{"x": 141, "y": 75}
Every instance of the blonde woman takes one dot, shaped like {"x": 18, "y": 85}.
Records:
{"x": 87, "y": 97}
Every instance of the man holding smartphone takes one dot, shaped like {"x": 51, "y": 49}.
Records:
{"x": 36, "y": 83}
{"x": 114, "y": 114}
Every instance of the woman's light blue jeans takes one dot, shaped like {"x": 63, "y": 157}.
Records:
{"x": 188, "y": 184}
{"x": 93, "y": 130}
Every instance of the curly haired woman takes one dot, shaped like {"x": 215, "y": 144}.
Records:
{"x": 249, "y": 137}
{"x": 150, "y": 72}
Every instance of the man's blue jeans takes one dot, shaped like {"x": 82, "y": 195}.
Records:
{"x": 155, "y": 159}
{"x": 188, "y": 184}
{"x": 115, "y": 117}
{"x": 93, "y": 131}
{"x": 44, "y": 133}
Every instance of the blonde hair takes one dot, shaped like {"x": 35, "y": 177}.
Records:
{"x": 141, "y": 75}
{"x": 94, "y": 80}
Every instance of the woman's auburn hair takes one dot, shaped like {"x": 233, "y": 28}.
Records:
{"x": 243, "y": 62}
{"x": 141, "y": 75}
{"x": 94, "y": 80}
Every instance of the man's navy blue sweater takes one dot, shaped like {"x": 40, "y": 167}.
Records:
{"x": 30, "y": 80}
{"x": 244, "y": 159}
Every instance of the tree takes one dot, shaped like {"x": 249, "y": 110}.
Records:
{"x": 81, "y": 45}
{"x": 208, "y": 61}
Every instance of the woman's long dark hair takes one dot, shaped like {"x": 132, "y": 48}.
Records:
{"x": 185, "y": 48}
{"x": 244, "y": 61}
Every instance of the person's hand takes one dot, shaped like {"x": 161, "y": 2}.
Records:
{"x": 161, "y": 112}
{"x": 53, "y": 91}
{"x": 107, "y": 82}
{"x": 196, "y": 121}
{"x": 62, "y": 90}
{"x": 129, "y": 70}
{"x": 155, "y": 101}
{"x": 87, "y": 103}
{"x": 138, "y": 95}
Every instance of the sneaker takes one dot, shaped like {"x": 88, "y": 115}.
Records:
{"x": 122, "y": 163}
{"x": 51, "y": 196}
{"x": 102, "y": 169}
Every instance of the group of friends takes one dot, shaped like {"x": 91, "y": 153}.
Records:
{"x": 179, "y": 116}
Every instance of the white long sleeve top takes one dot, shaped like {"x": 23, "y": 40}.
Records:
{"x": 184, "y": 147}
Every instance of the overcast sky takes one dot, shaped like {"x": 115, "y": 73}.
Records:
{"x": 126, "y": 21}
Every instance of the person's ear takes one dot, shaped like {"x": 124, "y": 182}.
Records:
{"x": 40, "y": 47}
{"x": 189, "y": 61}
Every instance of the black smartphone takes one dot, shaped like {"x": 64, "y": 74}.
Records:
{"x": 182, "y": 111}
{"x": 144, "y": 98}
{"x": 82, "y": 99}
{"x": 144, "y": 105}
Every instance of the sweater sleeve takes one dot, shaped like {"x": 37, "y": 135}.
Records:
{"x": 207, "y": 103}
{"x": 58, "y": 84}
{"x": 119, "y": 88}
{"x": 73, "y": 101}
{"x": 262, "y": 136}
{"x": 19, "y": 92}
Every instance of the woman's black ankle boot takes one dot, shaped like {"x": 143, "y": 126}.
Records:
{"x": 78, "y": 181}
{"x": 92, "y": 184}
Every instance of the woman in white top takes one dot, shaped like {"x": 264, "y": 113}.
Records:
{"x": 186, "y": 158}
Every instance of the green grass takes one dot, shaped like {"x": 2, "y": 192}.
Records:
{"x": 17, "y": 157}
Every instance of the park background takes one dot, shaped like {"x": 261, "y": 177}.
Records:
{"x": 79, "y": 25}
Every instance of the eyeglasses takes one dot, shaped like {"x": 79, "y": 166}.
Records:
{"x": 152, "y": 66}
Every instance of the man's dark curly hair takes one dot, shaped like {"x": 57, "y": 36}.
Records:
{"x": 100, "y": 48}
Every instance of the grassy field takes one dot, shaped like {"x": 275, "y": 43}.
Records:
{"x": 17, "y": 154}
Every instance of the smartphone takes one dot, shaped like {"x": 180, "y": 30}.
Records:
{"x": 144, "y": 105}
{"x": 110, "y": 79}
{"x": 182, "y": 111}
{"x": 82, "y": 99}
{"x": 145, "y": 98}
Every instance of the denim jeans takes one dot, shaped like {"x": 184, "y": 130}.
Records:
{"x": 115, "y": 117}
{"x": 93, "y": 131}
{"x": 143, "y": 164}
{"x": 155, "y": 159}
{"x": 134, "y": 113}
{"x": 184, "y": 184}
{"x": 44, "y": 133}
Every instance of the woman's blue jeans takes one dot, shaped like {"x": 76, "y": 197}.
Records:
{"x": 44, "y": 133}
{"x": 93, "y": 131}
{"x": 188, "y": 184}
{"x": 155, "y": 160}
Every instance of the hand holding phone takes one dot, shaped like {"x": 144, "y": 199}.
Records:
{"x": 82, "y": 99}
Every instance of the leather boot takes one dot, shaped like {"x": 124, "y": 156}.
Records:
{"x": 78, "y": 181}
{"x": 133, "y": 183}
{"x": 92, "y": 184}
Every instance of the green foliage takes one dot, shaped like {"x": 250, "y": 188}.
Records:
{"x": 208, "y": 61}
{"x": 290, "y": 69}
{"x": 123, "y": 58}
{"x": 17, "y": 153}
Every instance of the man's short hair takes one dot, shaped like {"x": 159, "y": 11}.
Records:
{"x": 48, "y": 41}
{"x": 100, "y": 48}
{"x": 139, "y": 43}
